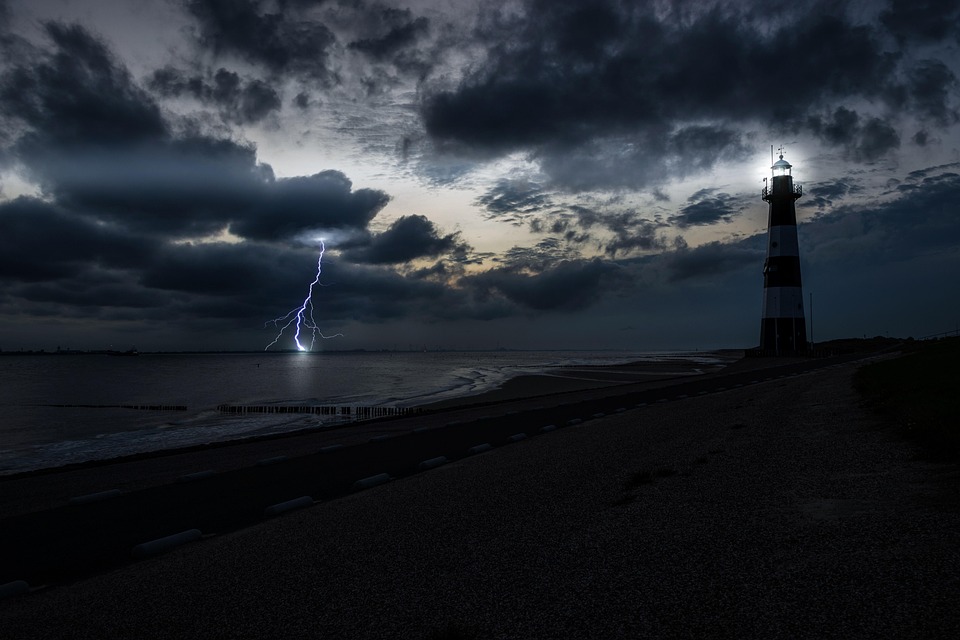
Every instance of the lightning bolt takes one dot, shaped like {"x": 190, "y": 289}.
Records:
{"x": 302, "y": 317}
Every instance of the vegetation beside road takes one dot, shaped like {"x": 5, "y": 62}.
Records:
{"x": 920, "y": 393}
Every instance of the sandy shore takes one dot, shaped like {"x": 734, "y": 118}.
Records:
{"x": 773, "y": 510}
{"x": 566, "y": 379}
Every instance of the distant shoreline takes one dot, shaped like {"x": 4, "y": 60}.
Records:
{"x": 100, "y": 352}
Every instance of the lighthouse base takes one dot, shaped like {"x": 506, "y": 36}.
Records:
{"x": 783, "y": 336}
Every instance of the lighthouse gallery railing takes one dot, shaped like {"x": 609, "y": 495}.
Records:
{"x": 769, "y": 191}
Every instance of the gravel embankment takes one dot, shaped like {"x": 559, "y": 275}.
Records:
{"x": 777, "y": 510}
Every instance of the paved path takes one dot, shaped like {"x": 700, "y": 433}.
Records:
{"x": 775, "y": 510}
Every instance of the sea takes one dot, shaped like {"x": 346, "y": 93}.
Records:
{"x": 62, "y": 409}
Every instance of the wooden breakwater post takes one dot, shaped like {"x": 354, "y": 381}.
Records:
{"x": 341, "y": 411}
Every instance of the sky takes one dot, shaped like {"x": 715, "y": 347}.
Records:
{"x": 481, "y": 174}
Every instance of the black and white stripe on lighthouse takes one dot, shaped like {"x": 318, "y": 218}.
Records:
{"x": 782, "y": 329}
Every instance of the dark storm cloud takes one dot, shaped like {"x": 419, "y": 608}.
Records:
{"x": 706, "y": 207}
{"x": 121, "y": 183}
{"x": 602, "y": 90}
{"x": 392, "y": 30}
{"x": 238, "y": 101}
{"x": 40, "y": 241}
{"x": 826, "y": 194}
{"x": 922, "y": 220}
{"x": 220, "y": 286}
{"x": 77, "y": 96}
{"x": 642, "y": 159}
{"x": 291, "y": 206}
{"x": 711, "y": 260}
{"x": 302, "y": 100}
{"x": 282, "y": 38}
{"x": 408, "y": 238}
{"x": 862, "y": 139}
{"x": 374, "y": 294}
{"x": 930, "y": 85}
{"x": 920, "y": 174}
{"x": 198, "y": 186}
{"x": 92, "y": 293}
{"x": 923, "y": 20}
{"x": 877, "y": 137}
{"x": 216, "y": 269}
{"x": 98, "y": 145}
{"x": 567, "y": 286}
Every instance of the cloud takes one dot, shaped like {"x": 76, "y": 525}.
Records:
{"x": 513, "y": 199}
{"x": 222, "y": 269}
{"x": 98, "y": 145}
{"x": 923, "y": 20}
{"x": 238, "y": 101}
{"x": 568, "y": 286}
{"x": 291, "y": 206}
{"x": 631, "y": 231}
{"x": 929, "y": 86}
{"x": 41, "y": 241}
{"x": 591, "y": 101}
{"x": 863, "y": 139}
{"x": 712, "y": 260}
{"x": 408, "y": 238}
{"x": 539, "y": 257}
{"x": 608, "y": 225}
{"x": 284, "y": 41}
{"x": 706, "y": 208}
{"x": 199, "y": 186}
{"x": 392, "y": 31}
{"x": 77, "y": 95}
{"x": 614, "y": 94}
{"x": 824, "y": 194}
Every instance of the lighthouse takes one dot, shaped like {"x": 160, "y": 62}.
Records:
{"x": 783, "y": 328}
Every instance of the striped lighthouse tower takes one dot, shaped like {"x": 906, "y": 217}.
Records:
{"x": 783, "y": 329}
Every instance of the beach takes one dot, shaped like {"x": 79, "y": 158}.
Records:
{"x": 72, "y": 409}
{"x": 47, "y": 488}
{"x": 767, "y": 507}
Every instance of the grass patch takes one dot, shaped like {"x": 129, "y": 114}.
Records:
{"x": 639, "y": 478}
{"x": 624, "y": 500}
{"x": 643, "y": 477}
{"x": 453, "y": 631}
{"x": 919, "y": 393}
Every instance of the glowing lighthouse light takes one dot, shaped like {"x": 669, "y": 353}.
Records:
{"x": 301, "y": 318}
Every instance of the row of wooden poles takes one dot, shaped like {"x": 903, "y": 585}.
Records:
{"x": 323, "y": 410}
{"x": 137, "y": 407}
